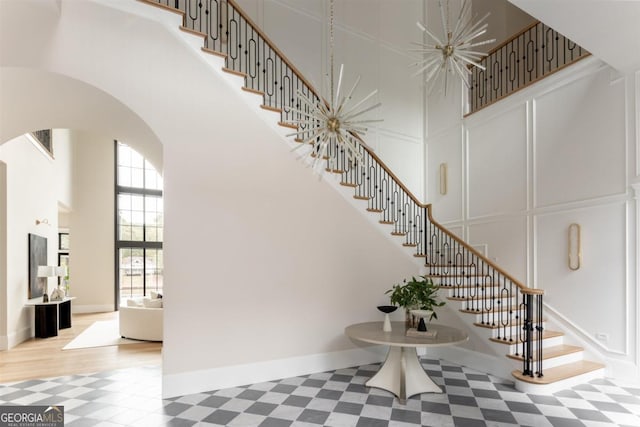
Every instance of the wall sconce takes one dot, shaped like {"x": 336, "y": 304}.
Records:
{"x": 44, "y": 221}
{"x": 575, "y": 247}
{"x": 443, "y": 178}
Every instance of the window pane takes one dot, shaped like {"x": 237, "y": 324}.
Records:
{"x": 140, "y": 219}
{"x": 154, "y": 270}
{"x": 124, "y": 155}
{"x": 137, "y": 178}
{"x": 124, "y": 176}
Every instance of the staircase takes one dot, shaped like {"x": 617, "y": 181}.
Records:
{"x": 509, "y": 313}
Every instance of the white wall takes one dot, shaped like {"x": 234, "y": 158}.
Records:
{"x": 3, "y": 257}
{"x": 505, "y": 20}
{"x": 63, "y": 154}
{"x": 560, "y": 152}
{"x": 31, "y": 196}
{"x": 372, "y": 40}
{"x": 91, "y": 259}
{"x": 259, "y": 254}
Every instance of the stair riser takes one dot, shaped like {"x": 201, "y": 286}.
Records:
{"x": 487, "y": 317}
{"x": 457, "y": 280}
{"x": 553, "y": 362}
{"x": 484, "y": 303}
{"x": 493, "y": 333}
{"x": 549, "y": 342}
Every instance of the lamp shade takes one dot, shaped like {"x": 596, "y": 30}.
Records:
{"x": 46, "y": 271}
{"x": 61, "y": 271}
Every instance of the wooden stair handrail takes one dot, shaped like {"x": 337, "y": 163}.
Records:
{"x": 427, "y": 207}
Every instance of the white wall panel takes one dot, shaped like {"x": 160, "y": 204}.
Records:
{"x": 580, "y": 141}
{"x": 446, "y": 148}
{"x": 404, "y": 157}
{"x": 506, "y": 242}
{"x": 401, "y": 102}
{"x": 397, "y": 22}
{"x": 315, "y": 8}
{"x": 594, "y": 296}
{"x": 497, "y": 164}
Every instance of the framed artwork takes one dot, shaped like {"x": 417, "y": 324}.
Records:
{"x": 37, "y": 257}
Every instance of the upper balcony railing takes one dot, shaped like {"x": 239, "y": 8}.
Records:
{"x": 534, "y": 53}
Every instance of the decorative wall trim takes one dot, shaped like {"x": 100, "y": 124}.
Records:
{"x": 180, "y": 384}
{"x": 575, "y": 72}
{"x": 586, "y": 339}
{"x": 637, "y": 119}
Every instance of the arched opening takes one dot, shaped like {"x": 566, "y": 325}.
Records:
{"x": 73, "y": 190}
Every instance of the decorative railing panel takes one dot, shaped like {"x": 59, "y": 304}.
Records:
{"x": 527, "y": 57}
{"x": 498, "y": 298}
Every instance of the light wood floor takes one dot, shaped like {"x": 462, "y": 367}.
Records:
{"x": 44, "y": 358}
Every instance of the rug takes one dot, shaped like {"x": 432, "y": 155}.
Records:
{"x": 101, "y": 334}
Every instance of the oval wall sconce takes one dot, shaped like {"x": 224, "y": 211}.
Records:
{"x": 443, "y": 178}
{"x": 575, "y": 247}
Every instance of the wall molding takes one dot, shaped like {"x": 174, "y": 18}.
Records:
{"x": 191, "y": 382}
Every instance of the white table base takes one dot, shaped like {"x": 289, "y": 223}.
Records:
{"x": 403, "y": 375}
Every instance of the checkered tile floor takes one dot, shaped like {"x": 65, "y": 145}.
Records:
{"x": 131, "y": 397}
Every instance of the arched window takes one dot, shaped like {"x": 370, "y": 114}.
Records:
{"x": 139, "y": 225}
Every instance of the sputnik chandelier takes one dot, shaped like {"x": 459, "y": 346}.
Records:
{"x": 454, "y": 52}
{"x": 332, "y": 126}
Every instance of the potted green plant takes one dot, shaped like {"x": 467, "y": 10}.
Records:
{"x": 420, "y": 293}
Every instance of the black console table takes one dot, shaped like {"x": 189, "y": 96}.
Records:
{"x": 51, "y": 316}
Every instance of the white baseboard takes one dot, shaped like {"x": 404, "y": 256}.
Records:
{"x": 496, "y": 366}
{"x": 181, "y": 384}
{"x": 4, "y": 342}
{"x": 15, "y": 338}
{"x": 100, "y": 308}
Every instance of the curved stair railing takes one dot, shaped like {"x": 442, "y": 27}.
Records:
{"x": 500, "y": 300}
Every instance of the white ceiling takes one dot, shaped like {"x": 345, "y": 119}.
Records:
{"x": 609, "y": 29}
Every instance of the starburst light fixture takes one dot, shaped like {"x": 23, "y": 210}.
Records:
{"x": 453, "y": 53}
{"x": 332, "y": 126}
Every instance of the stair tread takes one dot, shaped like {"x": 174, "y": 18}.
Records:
{"x": 503, "y": 309}
{"x": 452, "y": 275}
{"x": 214, "y": 52}
{"x": 561, "y": 372}
{"x": 349, "y": 184}
{"x": 476, "y": 298}
{"x": 288, "y": 125}
{"x": 270, "y": 108}
{"x": 551, "y": 352}
{"x": 374, "y": 210}
{"x": 545, "y": 335}
{"x": 497, "y": 326}
{"x": 237, "y": 73}
{"x": 194, "y": 32}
